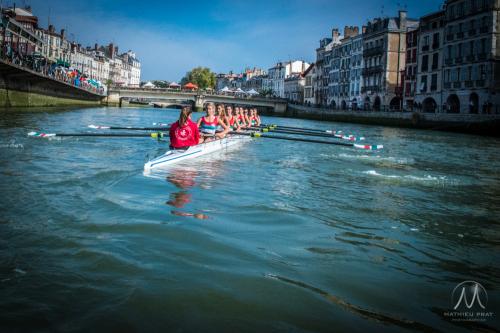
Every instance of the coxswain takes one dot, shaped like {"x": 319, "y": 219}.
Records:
{"x": 184, "y": 132}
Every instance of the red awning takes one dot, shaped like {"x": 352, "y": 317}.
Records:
{"x": 190, "y": 86}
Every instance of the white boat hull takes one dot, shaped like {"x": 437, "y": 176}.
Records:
{"x": 177, "y": 156}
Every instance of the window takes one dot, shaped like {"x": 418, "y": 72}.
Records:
{"x": 425, "y": 63}
{"x": 434, "y": 79}
{"x": 447, "y": 76}
{"x": 435, "y": 40}
{"x": 435, "y": 60}
{"x": 423, "y": 83}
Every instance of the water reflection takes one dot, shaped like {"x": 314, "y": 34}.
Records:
{"x": 183, "y": 179}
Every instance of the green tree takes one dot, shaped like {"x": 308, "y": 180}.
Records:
{"x": 203, "y": 77}
{"x": 160, "y": 84}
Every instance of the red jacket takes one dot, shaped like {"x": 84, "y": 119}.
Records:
{"x": 185, "y": 136}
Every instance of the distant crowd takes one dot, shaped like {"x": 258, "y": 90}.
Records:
{"x": 52, "y": 70}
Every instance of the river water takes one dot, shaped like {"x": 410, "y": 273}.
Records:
{"x": 272, "y": 236}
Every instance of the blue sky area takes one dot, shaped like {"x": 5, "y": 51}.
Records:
{"x": 171, "y": 37}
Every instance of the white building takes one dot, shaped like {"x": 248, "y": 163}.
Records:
{"x": 281, "y": 71}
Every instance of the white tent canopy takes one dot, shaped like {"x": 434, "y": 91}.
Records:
{"x": 148, "y": 85}
{"x": 252, "y": 92}
{"x": 239, "y": 90}
{"x": 225, "y": 89}
{"x": 174, "y": 84}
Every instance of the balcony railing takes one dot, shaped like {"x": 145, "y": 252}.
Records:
{"x": 481, "y": 56}
{"x": 458, "y": 60}
{"x": 469, "y": 84}
{"x": 457, "y": 85}
{"x": 373, "y": 51}
{"x": 372, "y": 70}
{"x": 370, "y": 88}
{"x": 480, "y": 83}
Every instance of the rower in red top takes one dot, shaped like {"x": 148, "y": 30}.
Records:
{"x": 184, "y": 132}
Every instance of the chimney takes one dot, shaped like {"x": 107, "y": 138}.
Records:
{"x": 111, "y": 51}
{"x": 402, "y": 19}
{"x": 363, "y": 29}
{"x": 95, "y": 47}
{"x": 335, "y": 34}
{"x": 63, "y": 33}
{"x": 51, "y": 29}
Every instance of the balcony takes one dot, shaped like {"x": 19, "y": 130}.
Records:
{"x": 448, "y": 61}
{"x": 370, "y": 88}
{"x": 481, "y": 56}
{"x": 480, "y": 83}
{"x": 457, "y": 85}
{"x": 469, "y": 84}
{"x": 372, "y": 70}
{"x": 470, "y": 57}
{"x": 377, "y": 50}
{"x": 458, "y": 60}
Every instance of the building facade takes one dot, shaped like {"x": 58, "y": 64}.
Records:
{"x": 471, "y": 50}
{"x": 384, "y": 59}
{"x": 409, "y": 75}
{"x": 429, "y": 64}
{"x": 294, "y": 88}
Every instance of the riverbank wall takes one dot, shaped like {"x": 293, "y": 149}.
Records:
{"x": 20, "y": 87}
{"x": 484, "y": 124}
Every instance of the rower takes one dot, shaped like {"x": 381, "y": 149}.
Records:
{"x": 246, "y": 118}
{"x": 231, "y": 119}
{"x": 208, "y": 124}
{"x": 184, "y": 133}
{"x": 254, "y": 117}
{"x": 240, "y": 119}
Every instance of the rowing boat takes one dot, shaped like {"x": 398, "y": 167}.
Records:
{"x": 179, "y": 155}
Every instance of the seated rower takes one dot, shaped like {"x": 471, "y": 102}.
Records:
{"x": 231, "y": 119}
{"x": 184, "y": 133}
{"x": 209, "y": 123}
{"x": 246, "y": 117}
{"x": 254, "y": 117}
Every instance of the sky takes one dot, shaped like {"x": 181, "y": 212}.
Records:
{"x": 172, "y": 37}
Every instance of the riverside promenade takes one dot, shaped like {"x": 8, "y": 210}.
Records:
{"x": 23, "y": 87}
{"x": 484, "y": 124}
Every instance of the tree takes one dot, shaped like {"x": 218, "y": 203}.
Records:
{"x": 203, "y": 77}
{"x": 160, "y": 84}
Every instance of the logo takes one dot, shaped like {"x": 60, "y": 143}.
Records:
{"x": 469, "y": 300}
{"x": 183, "y": 133}
{"x": 469, "y": 294}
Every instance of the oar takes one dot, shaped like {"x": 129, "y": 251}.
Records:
{"x": 156, "y": 135}
{"x": 260, "y": 135}
{"x": 128, "y": 128}
{"x": 337, "y": 134}
{"x": 307, "y": 133}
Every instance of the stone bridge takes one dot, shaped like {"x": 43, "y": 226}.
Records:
{"x": 117, "y": 95}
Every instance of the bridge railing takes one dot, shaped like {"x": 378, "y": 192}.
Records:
{"x": 204, "y": 93}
